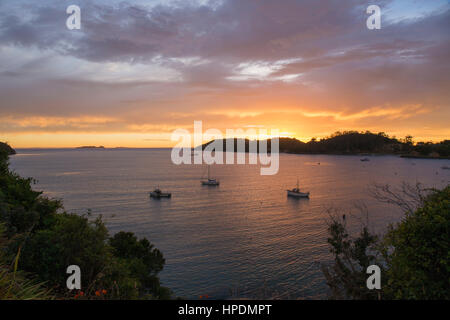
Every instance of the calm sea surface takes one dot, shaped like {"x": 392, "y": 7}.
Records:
{"x": 244, "y": 238}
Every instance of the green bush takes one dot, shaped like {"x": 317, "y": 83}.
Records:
{"x": 14, "y": 285}
{"x": 70, "y": 240}
{"x": 419, "y": 265}
{"x": 414, "y": 255}
{"x": 347, "y": 277}
{"x": 6, "y": 149}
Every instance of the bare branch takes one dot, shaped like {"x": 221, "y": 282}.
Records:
{"x": 408, "y": 197}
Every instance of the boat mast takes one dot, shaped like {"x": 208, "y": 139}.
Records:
{"x": 297, "y": 184}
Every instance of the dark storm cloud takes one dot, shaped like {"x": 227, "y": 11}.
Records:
{"x": 235, "y": 29}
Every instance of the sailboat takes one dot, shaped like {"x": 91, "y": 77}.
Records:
{"x": 297, "y": 193}
{"x": 210, "y": 181}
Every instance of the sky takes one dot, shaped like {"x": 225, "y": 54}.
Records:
{"x": 138, "y": 70}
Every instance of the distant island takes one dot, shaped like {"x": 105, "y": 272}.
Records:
{"x": 90, "y": 147}
{"x": 357, "y": 143}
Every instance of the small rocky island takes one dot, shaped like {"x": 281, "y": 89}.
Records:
{"x": 90, "y": 147}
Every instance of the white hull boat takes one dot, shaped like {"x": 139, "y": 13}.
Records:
{"x": 210, "y": 181}
{"x": 296, "y": 193}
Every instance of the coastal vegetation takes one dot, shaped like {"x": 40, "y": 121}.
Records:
{"x": 39, "y": 240}
{"x": 413, "y": 255}
{"x": 354, "y": 142}
{"x": 6, "y": 149}
{"x": 14, "y": 284}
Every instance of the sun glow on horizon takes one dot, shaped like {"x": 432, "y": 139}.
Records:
{"x": 163, "y": 139}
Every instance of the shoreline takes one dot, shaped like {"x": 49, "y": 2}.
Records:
{"x": 406, "y": 156}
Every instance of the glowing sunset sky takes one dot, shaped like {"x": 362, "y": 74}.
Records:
{"x": 137, "y": 70}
